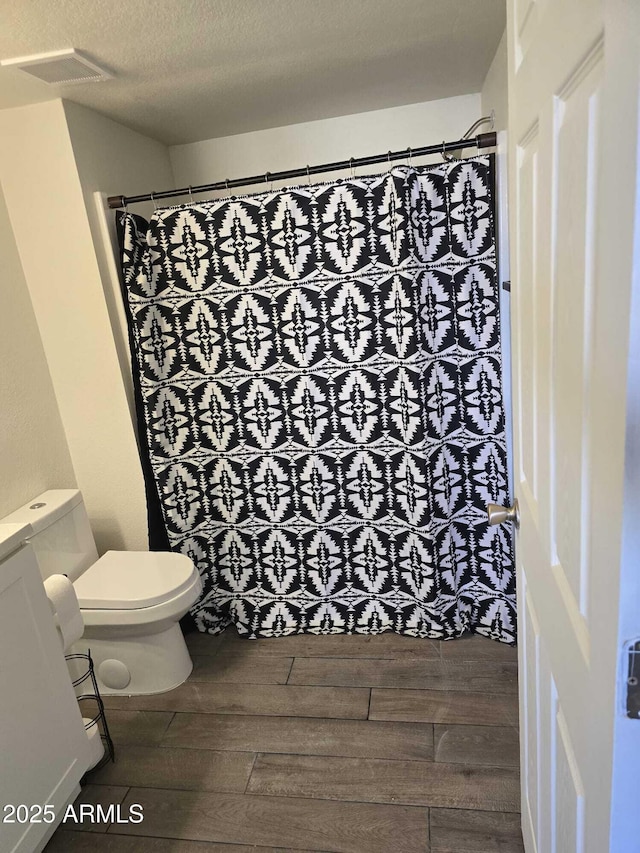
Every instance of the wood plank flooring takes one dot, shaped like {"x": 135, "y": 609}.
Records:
{"x": 342, "y": 744}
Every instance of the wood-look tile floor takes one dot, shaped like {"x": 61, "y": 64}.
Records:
{"x": 350, "y": 744}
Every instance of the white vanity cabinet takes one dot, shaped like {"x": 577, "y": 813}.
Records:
{"x": 44, "y": 750}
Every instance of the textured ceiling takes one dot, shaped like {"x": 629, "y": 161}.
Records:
{"x": 187, "y": 70}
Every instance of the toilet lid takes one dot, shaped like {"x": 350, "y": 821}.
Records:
{"x": 131, "y": 580}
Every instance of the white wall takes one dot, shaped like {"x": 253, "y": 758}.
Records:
{"x": 494, "y": 88}
{"x": 111, "y": 159}
{"x": 49, "y": 166}
{"x": 34, "y": 455}
{"x": 317, "y": 142}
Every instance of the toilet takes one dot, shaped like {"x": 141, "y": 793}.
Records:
{"x": 131, "y": 601}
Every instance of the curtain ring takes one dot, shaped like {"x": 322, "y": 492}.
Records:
{"x": 446, "y": 156}
{"x": 268, "y": 179}
{"x": 308, "y": 176}
{"x": 409, "y": 155}
{"x": 190, "y": 195}
{"x": 155, "y": 206}
{"x": 389, "y": 159}
{"x": 226, "y": 184}
{"x": 351, "y": 169}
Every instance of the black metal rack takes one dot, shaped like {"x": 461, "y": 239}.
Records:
{"x": 86, "y": 688}
{"x": 482, "y": 140}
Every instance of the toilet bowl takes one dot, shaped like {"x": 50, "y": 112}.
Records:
{"x": 131, "y": 601}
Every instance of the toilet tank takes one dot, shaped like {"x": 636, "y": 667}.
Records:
{"x": 62, "y": 537}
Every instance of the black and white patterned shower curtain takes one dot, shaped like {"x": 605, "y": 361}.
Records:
{"x": 319, "y": 379}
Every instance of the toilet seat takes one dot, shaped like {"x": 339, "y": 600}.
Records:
{"x": 135, "y": 581}
{"x": 135, "y": 621}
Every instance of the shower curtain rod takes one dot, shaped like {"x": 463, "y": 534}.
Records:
{"x": 482, "y": 140}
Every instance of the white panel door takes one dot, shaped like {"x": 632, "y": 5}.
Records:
{"x": 573, "y": 115}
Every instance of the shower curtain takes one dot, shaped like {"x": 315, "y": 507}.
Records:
{"x": 318, "y": 378}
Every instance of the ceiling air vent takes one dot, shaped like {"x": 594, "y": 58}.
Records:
{"x": 60, "y": 67}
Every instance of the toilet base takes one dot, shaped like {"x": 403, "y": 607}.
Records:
{"x": 140, "y": 665}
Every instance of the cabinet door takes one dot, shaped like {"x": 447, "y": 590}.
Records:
{"x": 44, "y": 750}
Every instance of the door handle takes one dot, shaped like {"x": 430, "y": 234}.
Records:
{"x": 497, "y": 514}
